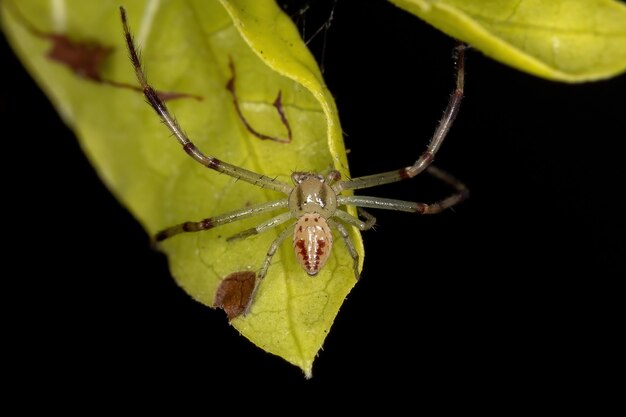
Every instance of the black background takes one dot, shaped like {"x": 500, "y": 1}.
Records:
{"x": 512, "y": 292}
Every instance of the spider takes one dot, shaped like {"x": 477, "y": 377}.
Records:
{"x": 314, "y": 200}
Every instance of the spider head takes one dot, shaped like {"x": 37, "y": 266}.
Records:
{"x": 311, "y": 194}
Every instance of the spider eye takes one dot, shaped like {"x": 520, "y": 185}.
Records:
{"x": 300, "y": 177}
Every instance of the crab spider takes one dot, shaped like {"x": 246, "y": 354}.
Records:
{"x": 314, "y": 202}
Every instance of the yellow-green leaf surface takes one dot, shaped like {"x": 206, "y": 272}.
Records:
{"x": 563, "y": 40}
{"x": 186, "y": 47}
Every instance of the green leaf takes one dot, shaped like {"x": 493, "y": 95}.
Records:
{"x": 562, "y": 40}
{"x": 186, "y": 48}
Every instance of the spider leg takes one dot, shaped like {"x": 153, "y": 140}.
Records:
{"x": 273, "y": 222}
{"x": 266, "y": 263}
{"x": 211, "y": 222}
{"x": 272, "y": 250}
{"x": 409, "y": 206}
{"x": 346, "y": 238}
{"x": 401, "y": 205}
{"x": 354, "y": 221}
{"x": 190, "y": 148}
{"x": 449, "y": 179}
{"x": 435, "y": 143}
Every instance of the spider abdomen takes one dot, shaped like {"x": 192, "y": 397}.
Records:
{"x": 312, "y": 242}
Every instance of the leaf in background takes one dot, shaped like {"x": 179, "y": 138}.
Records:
{"x": 186, "y": 47}
{"x": 562, "y": 40}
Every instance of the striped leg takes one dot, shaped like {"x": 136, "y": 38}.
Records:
{"x": 190, "y": 148}
{"x": 435, "y": 143}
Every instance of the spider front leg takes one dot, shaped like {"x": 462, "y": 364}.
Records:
{"x": 428, "y": 155}
{"x": 189, "y": 147}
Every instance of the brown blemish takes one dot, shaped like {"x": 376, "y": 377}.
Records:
{"x": 278, "y": 105}
{"x": 234, "y": 293}
{"x": 84, "y": 58}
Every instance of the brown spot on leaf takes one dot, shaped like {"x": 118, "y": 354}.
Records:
{"x": 234, "y": 293}
{"x": 85, "y": 58}
{"x": 278, "y": 105}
